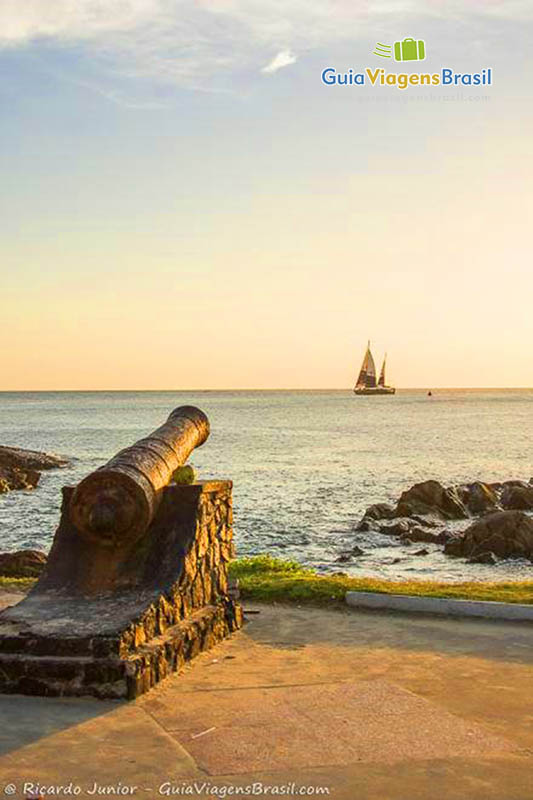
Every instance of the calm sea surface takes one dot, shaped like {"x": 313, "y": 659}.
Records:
{"x": 304, "y": 464}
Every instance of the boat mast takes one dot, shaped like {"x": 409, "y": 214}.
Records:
{"x": 381, "y": 381}
{"x": 367, "y": 374}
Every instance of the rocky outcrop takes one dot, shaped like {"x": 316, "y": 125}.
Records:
{"x": 374, "y": 513}
{"x": 506, "y": 534}
{"x": 479, "y": 498}
{"x": 421, "y": 511}
{"x": 407, "y": 530}
{"x": 430, "y": 497}
{"x": 19, "y": 469}
{"x": 22, "y": 564}
{"x": 487, "y": 557}
{"x": 517, "y": 497}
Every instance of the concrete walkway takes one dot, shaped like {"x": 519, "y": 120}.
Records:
{"x": 365, "y": 705}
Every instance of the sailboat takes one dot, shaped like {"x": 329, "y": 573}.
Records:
{"x": 366, "y": 382}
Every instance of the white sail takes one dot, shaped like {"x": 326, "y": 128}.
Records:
{"x": 381, "y": 381}
{"x": 366, "y": 382}
{"x": 367, "y": 374}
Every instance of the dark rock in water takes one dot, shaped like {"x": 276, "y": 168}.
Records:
{"x": 479, "y": 498}
{"x": 454, "y": 545}
{"x": 19, "y": 468}
{"x": 422, "y": 552}
{"x": 407, "y": 530}
{"x": 518, "y": 498}
{"x": 515, "y": 483}
{"x": 380, "y": 511}
{"x": 508, "y": 534}
{"x": 343, "y": 558}
{"x": 29, "y": 459}
{"x": 424, "y": 521}
{"x": 400, "y": 528}
{"x": 13, "y": 478}
{"x": 487, "y": 557}
{"x": 22, "y": 564}
{"x": 376, "y": 512}
{"x": 349, "y": 554}
{"x": 423, "y": 535}
{"x": 430, "y": 497}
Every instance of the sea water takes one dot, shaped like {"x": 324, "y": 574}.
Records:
{"x": 305, "y": 464}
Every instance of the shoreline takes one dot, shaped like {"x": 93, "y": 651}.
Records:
{"x": 272, "y": 580}
{"x": 264, "y": 578}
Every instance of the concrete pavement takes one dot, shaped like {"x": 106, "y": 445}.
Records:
{"x": 364, "y": 705}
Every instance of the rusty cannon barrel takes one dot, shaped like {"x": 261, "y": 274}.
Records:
{"x": 116, "y": 503}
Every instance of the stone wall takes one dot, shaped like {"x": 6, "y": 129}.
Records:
{"x": 172, "y": 603}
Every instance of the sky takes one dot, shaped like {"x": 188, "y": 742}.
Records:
{"x": 186, "y": 205}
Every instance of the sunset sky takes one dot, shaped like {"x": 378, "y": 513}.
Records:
{"x": 185, "y": 205}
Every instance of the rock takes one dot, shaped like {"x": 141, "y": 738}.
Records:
{"x": 380, "y": 511}
{"x": 29, "y": 459}
{"x": 454, "y": 545}
{"x": 13, "y": 478}
{"x": 19, "y": 468}
{"x": 430, "y": 497}
{"x": 518, "y": 498}
{"x": 400, "y": 528}
{"x": 479, "y": 498}
{"x": 422, "y": 552}
{"x": 487, "y": 557}
{"x": 514, "y": 483}
{"x": 421, "y": 535}
{"x": 408, "y": 531}
{"x": 349, "y": 554}
{"x": 424, "y": 521}
{"x": 373, "y": 513}
{"x": 22, "y": 564}
{"x": 508, "y": 534}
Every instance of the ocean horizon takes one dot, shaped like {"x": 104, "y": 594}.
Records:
{"x": 305, "y": 463}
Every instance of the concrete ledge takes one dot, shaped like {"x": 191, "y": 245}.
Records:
{"x": 440, "y": 605}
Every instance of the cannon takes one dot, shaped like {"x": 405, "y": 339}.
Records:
{"x": 136, "y": 582}
{"x": 115, "y": 504}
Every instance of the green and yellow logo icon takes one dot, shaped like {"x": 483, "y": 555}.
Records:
{"x": 405, "y": 50}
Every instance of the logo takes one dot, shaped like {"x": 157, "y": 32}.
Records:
{"x": 406, "y": 50}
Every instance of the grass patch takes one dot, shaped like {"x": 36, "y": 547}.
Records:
{"x": 273, "y": 580}
{"x": 16, "y": 584}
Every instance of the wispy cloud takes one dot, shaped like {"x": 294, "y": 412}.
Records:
{"x": 283, "y": 59}
{"x": 191, "y": 42}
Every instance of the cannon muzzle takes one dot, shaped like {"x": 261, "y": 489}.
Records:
{"x": 115, "y": 504}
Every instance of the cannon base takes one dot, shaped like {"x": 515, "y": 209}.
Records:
{"x": 54, "y": 667}
{"x": 157, "y": 610}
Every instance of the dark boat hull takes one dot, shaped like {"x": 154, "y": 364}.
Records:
{"x": 374, "y": 390}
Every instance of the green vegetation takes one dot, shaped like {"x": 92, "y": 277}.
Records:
{"x": 269, "y": 580}
{"x": 273, "y": 580}
{"x": 16, "y": 584}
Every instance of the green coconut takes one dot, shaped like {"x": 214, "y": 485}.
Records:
{"x": 184, "y": 475}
